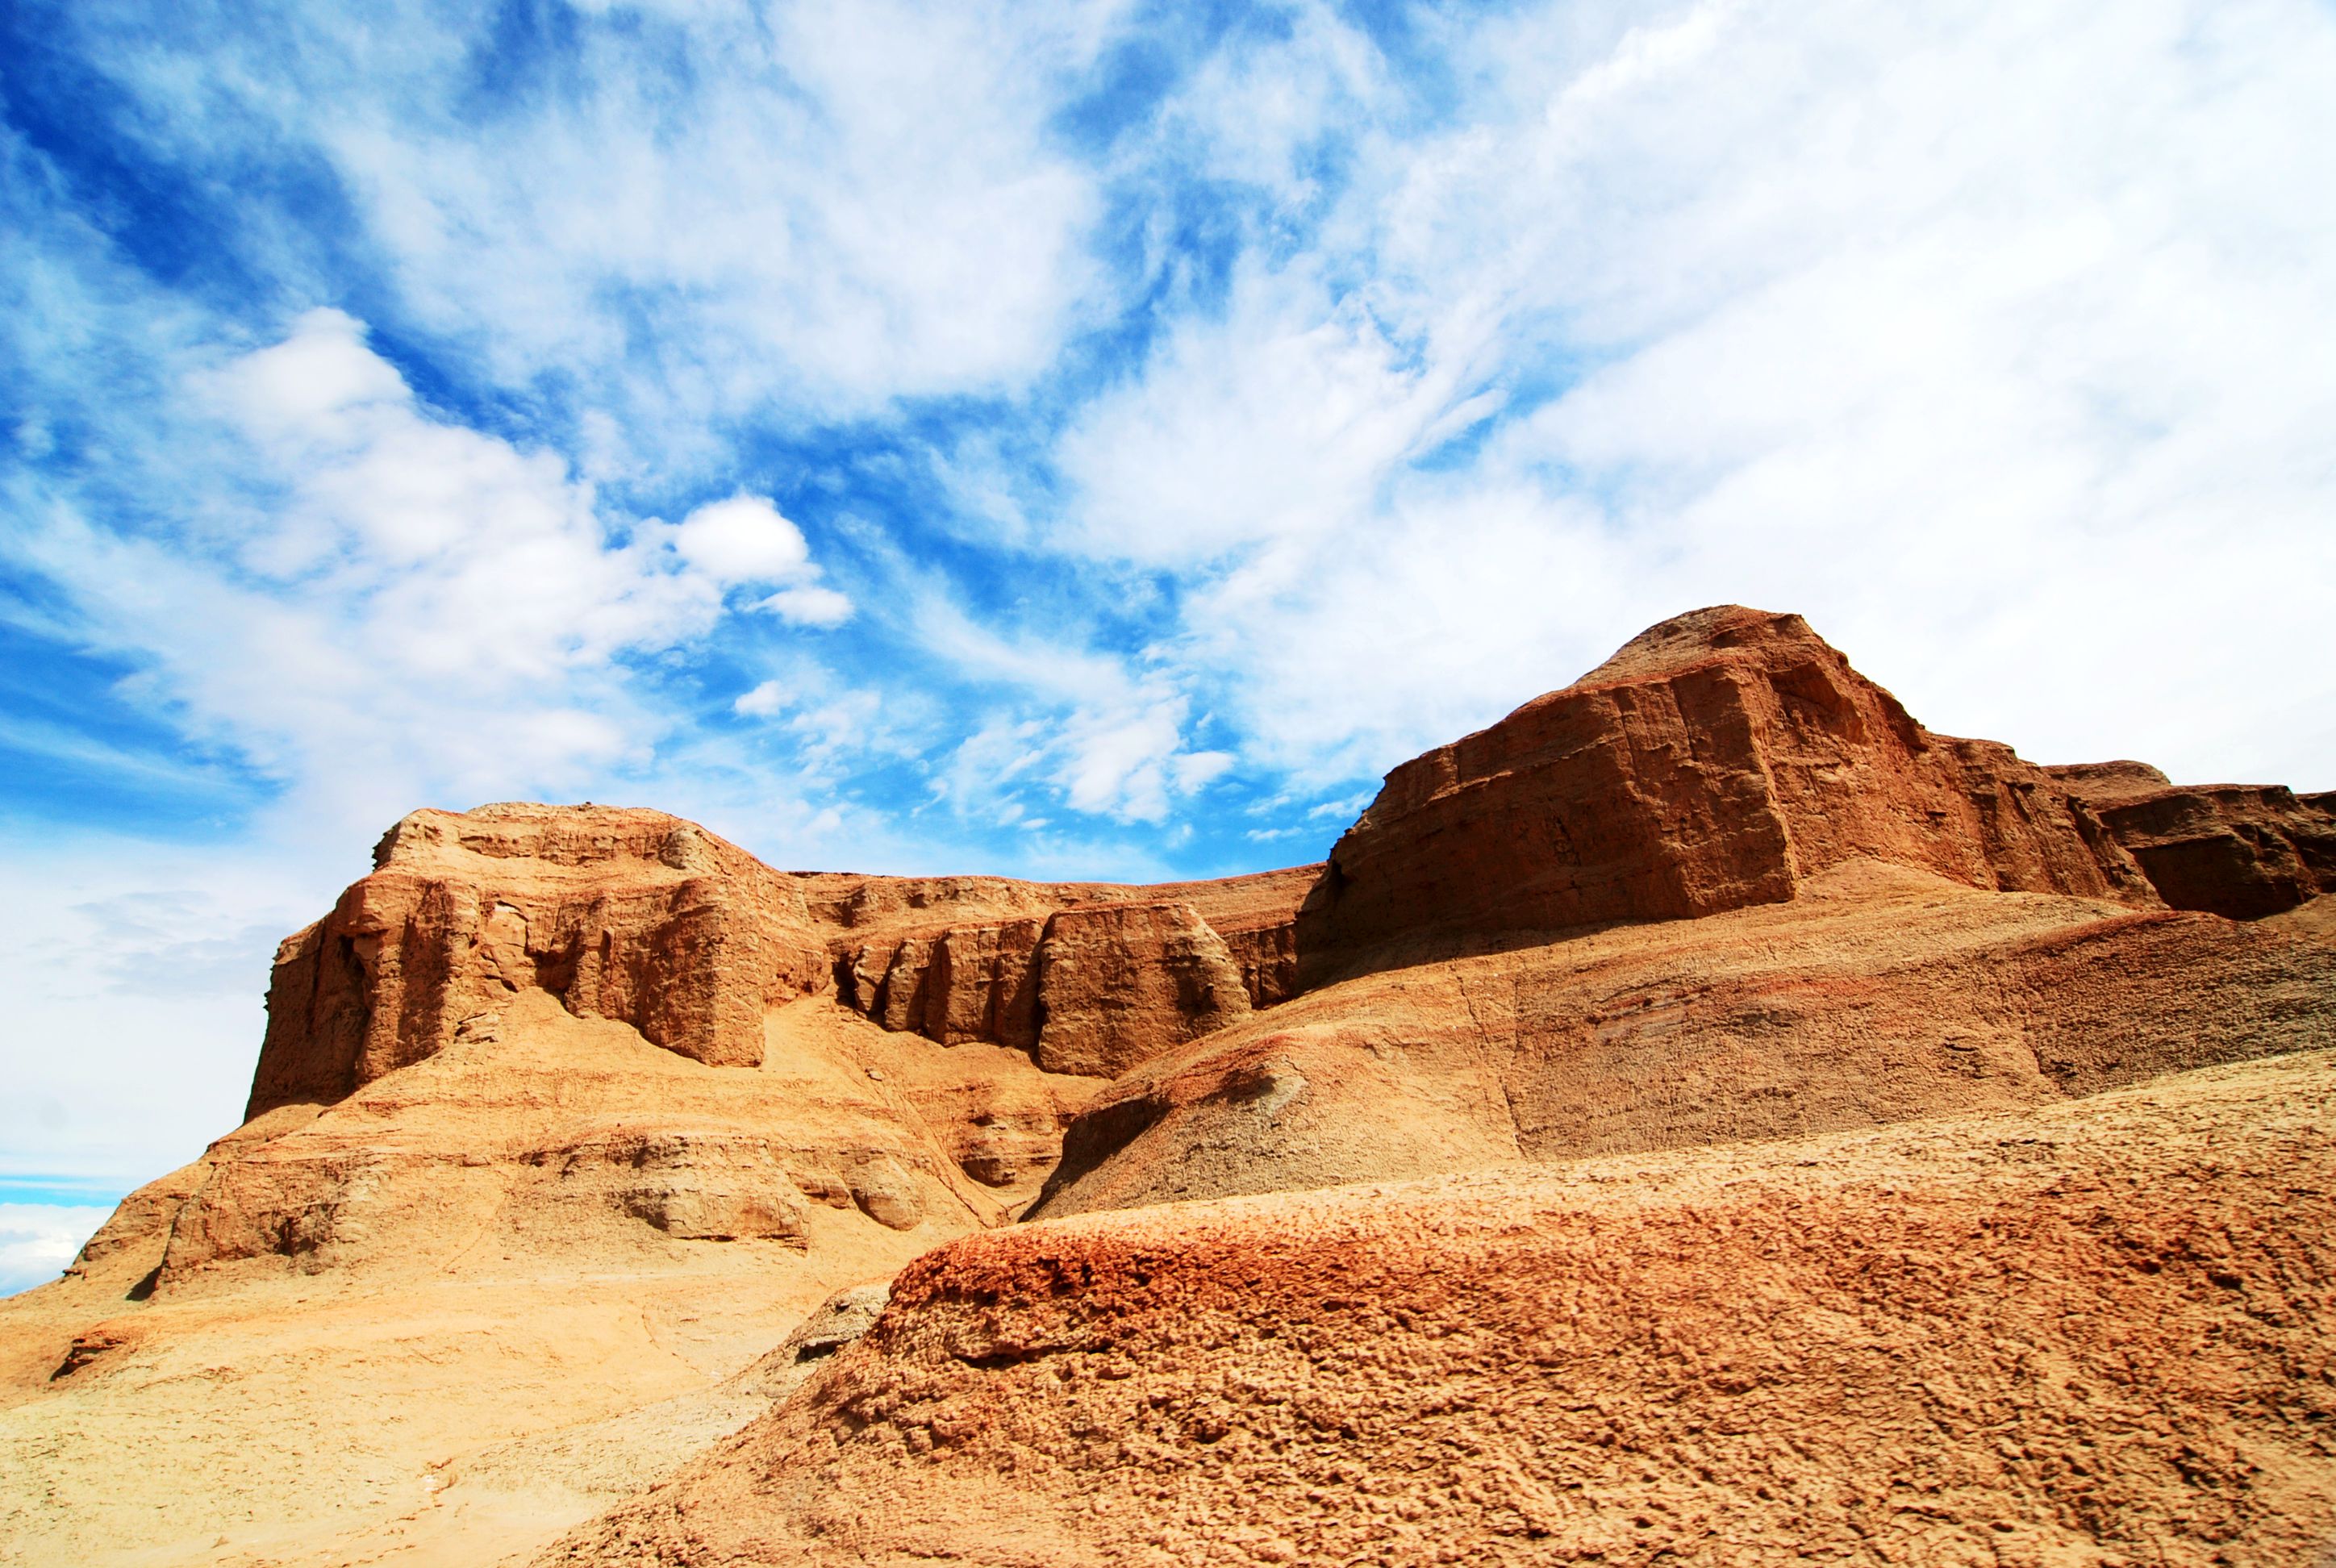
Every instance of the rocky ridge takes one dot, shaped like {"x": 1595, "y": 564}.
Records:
{"x": 652, "y": 921}
{"x": 1718, "y": 914}
{"x": 2093, "y": 1335}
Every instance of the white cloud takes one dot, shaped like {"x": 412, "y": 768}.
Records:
{"x": 742, "y": 540}
{"x": 1978, "y": 333}
{"x": 697, "y": 213}
{"x": 38, "y": 1240}
{"x": 406, "y": 609}
{"x": 135, "y": 972}
{"x": 809, "y": 605}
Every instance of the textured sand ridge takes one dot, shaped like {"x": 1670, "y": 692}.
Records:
{"x": 1706, "y": 1116}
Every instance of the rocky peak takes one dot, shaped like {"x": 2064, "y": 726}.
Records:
{"x": 1685, "y": 642}
{"x": 1718, "y": 760}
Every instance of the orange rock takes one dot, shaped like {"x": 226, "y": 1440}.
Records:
{"x": 1120, "y": 983}
{"x": 2244, "y": 851}
{"x": 630, "y": 915}
{"x": 1718, "y": 760}
{"x": 651, "y": 921}
{"x": 1775, "y": 1125}
{"x": 2090, "y": 1334}
{"x": 1880, "y": 994}
{"x": 932, "y": 956}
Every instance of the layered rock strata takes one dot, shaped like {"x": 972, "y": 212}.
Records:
{"x": 1880, "y": 994}
{"x": 1720, "y": 759}
{"x": 1089, "y": 977}
{"x": 566, "y": 1113}
{"x": 633, "y": 916}
{"x": 649, "y": 920}
{"x": 2244, "y": 851}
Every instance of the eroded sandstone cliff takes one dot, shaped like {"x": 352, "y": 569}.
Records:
{"x": 2244, "y": 851}
{"x": 1719, "y": 759}
{"x": 650, "y": 920}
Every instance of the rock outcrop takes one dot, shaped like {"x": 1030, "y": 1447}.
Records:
{"x": 1879, "y": 994}
{"x": 1720, "y": 759}
{"x": 2244, "y": 851}
{"x": 630, "y": 915}
{"x": 2092, "y": 1334}
{"x": 1089, "y": 977}
{"x": 650, "y": 920}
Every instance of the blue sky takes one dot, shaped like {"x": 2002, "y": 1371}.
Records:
{"x": 1089, "y": 439}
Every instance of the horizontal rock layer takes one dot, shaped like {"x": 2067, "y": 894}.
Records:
{"x": 1880, "y": 994}
{"x": 627, "y": 915}
{"x": 2244, "y": 851}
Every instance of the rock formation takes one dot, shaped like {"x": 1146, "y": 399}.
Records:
{"x": 2244, "y": 851}
{"x": 1704, "y": 1116}
{"x": 1718, "y": 760}
{"x": 2093, "y": 1334}
{"x": 652, "y": 921}
{"x": 1878, "y": 995}
{"x": 1890, "y": 924}
{"x": 628, "y": 915}
{"x": 969, "y": 959}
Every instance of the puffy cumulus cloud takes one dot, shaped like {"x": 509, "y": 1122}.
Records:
{"x": 743, "y": 540}
{"x": 1972, "y": 332}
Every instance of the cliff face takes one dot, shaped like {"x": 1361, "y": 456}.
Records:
{"x": 1720, "y": 759}
{"x": 1089, "y": 977}
{"x": 647, "y": 919}
{"x": 1785, "y": 907}
{"x": 633, "y": 916}
{"x": 2244, "y": 851}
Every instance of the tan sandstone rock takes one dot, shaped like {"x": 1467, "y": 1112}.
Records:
{"x": 1119, "y": 983}
{"x": 622, "y": 914}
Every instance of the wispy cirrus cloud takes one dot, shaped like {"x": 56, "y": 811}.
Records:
{"x": 1100, "y": 439}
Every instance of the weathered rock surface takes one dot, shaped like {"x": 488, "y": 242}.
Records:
{"x": 1879, "y": 994}
{"x": 2095, "y": 1333}
{"x": 628, "y": 915}
{"x": 2244, "y": 851}
{"x": 516, "y": 1271}
{"x": 653, "y": 921}
{"x": 1720, "y": 759}
{"x": 966, "y": 958}
{"x": 1117, "y": 984}
{"x": 650, "y": 920}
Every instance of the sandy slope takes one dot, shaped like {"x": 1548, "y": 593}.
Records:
{"x": 484, "y": 1345}
{"x": 2098, "y": 1335}
{"x": 1880, "y": 993}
